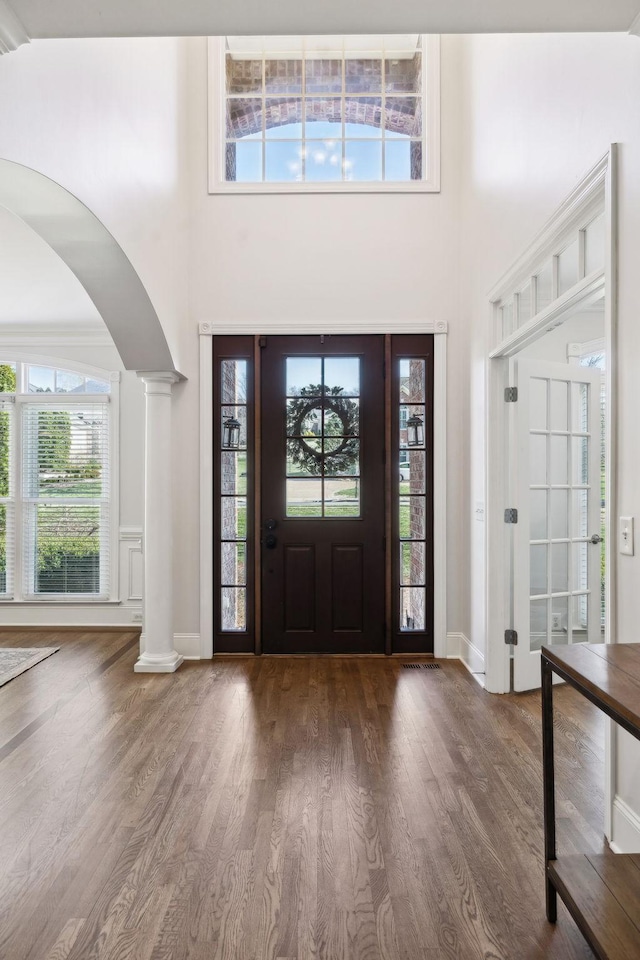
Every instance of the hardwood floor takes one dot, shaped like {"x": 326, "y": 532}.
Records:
{"x": 288, "y": 809}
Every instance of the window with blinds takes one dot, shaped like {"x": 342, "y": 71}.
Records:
{"x": 66, "y": 498}
{"x": 55, "y": 451}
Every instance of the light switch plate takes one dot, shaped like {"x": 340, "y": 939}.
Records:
{"x": 625, "y": 536}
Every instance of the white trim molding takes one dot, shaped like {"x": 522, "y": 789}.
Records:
{"x": 53, "y": 334}
{"x": 12, "y": 30}
{"x": 439, "y": 328}
{"x": 588, "y": 197}
{"x": 244, "y": 328}
{"x": 187, "y": 645}
{"x": 459, "y": 647}
{"x": 625, "y": 827}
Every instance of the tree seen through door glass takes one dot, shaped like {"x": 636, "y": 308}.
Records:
{"x": 323, "y": 437}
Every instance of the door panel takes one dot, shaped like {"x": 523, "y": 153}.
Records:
{"x": 557, "y": 598}
{"x": 322, "y": 497}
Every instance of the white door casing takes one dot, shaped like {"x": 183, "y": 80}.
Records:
{"x": 557, "y": 487}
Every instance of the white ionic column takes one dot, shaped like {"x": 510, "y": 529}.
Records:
{"x": 159, "y": 655}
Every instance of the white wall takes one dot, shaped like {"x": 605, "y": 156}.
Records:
{"x": 540, "y": 111}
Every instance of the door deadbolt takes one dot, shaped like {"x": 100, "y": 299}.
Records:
{"x": 270, "y": 524}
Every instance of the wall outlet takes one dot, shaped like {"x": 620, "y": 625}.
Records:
{"x": 556, "y": 621}
{"x": 136, "y": 618}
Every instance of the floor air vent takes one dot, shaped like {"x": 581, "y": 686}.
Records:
{"x": 421, "y": 666}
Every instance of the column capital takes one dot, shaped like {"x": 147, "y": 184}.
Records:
{"x": 159, "y": 376}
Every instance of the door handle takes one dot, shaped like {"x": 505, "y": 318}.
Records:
{"x": 270, "y": 541}
{"x": 270, "y": 524}
{"x": 596, "y": 538}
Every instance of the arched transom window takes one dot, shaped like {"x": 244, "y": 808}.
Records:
{"x": 326, "y": 112}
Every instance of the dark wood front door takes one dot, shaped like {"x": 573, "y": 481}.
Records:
{"x": 322, "y": 494}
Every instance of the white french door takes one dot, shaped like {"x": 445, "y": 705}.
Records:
{"x": 558, "y": 492}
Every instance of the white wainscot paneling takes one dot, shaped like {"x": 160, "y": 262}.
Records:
{"x": 131, "y": 566}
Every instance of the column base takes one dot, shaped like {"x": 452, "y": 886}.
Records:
{"x": 147, "y": 663}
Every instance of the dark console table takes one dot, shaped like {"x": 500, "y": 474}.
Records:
{"x": 601, "y": 892}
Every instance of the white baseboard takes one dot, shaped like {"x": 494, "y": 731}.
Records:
{"x": 187, "y": 645}
{"x": 459, "y": 647}
{"x": 625, "y": 828}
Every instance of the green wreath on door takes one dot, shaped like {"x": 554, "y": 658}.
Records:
{"x": 305, "y": 451}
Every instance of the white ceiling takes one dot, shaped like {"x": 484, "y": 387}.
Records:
{"x": 105, "y": 18}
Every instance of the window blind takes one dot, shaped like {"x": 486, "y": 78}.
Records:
{"x": 7, "y": 503}
{"x": 65, "y": 478}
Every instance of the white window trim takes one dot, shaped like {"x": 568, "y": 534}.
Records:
{"x": 431, "y": 99}
{"x": 21, "y": 358}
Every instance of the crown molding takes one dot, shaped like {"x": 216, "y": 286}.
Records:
{"x": 12, "y": 31}
{"x": 33, "y": 335}
{"x": 210, "y": 328}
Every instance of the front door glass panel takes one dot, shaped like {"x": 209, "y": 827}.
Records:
{"x": 323, "y": 437}
{"x": 412, "y": 501}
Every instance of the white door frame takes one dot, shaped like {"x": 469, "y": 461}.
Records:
{"x": 274, "y": 328}
{"x": 498, "y": 560}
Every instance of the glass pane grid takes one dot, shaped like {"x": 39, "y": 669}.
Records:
{"x": 559, "y": 550}
{"x": 347, "y": 101}
{"x": 323, "y": 437}
{"x": 412, "y": 501}
{"x": 233, "y": 498}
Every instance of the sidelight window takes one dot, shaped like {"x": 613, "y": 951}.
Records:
{"x": 412, "y": 501}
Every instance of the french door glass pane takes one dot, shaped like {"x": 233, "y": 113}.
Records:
{"x": 559, "y": 620}
{"x": 538, "y": 569}
{"x": 538, "y": 623}
{"x": 580, "y": 460}
{"x": 538, "y": 515}
{"x": 580, "y": 566}
{"x": 559, "y": 473}
{"x": 559, "y": 567}
{"x": 538, "y": 458}
{"x": 559, "y": 405}
{"x": 559, "y": 526}
{"x": 538, "y": 405}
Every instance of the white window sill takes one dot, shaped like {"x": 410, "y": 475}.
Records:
{"x": 233, "y": 188}
{"x": 33, "y": 602}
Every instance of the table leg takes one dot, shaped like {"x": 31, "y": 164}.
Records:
{"x": 548, "y": 785}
